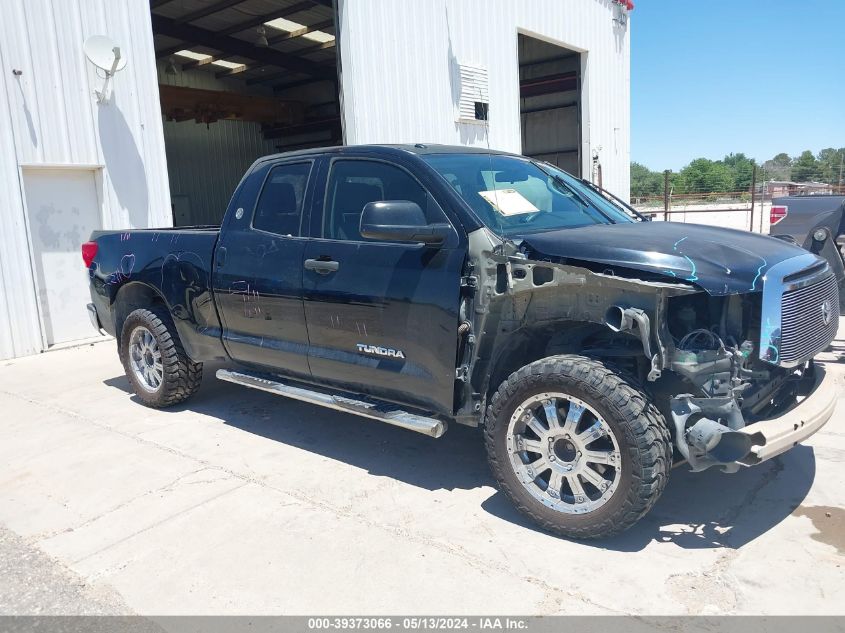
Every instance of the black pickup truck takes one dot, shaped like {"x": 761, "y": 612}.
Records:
{"x": 818, "y": 224}
{"x": 427, "y": 285}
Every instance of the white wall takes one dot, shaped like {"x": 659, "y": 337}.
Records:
{"x": 399, "y": 57}
{"x": 49, "y": 117}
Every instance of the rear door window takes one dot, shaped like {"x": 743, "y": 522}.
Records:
{"x": 279, "y": 207}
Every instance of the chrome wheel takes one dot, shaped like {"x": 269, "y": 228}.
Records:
{"x": 564, "y": 453}
{"x": 145, "y": 359}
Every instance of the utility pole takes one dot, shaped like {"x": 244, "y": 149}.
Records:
{"x": 841, "y": 163}
{"x": 753, "y": 197}
{"x": 666, "y": 196}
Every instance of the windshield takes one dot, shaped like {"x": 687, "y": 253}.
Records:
{"x": 513, "y": 195}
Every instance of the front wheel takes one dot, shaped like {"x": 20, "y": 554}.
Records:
{"x": 577, "y": 448}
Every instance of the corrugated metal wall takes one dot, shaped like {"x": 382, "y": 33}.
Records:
{"x": 400, "y": 58}
{"x": 49, "y": 116}
{"x": 225, "y": 148}
{"x": 194, "y": 150}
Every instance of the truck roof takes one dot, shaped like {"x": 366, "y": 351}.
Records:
{"x": 390, "y": 149}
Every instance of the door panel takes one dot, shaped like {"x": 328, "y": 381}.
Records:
{"x": 384, "y": 322}
{"x": 63, "y": 209}
{"x": 258, "y": 275}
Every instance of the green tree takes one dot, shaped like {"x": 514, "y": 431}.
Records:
{"x": 742, "y": 170}
{"x": 704, "y": 175}
{"x": 805, "y": 168}
{"x": 778, "y": 168}
{"x": 831, "y": 162}
{"x": 693, "y": 177}
{"x": 645, "y": 182}
{"x": 720, "y": 178}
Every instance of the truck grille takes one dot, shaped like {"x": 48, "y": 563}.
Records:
{"x": 804, "y": 332}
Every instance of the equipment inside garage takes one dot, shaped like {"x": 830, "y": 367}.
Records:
{"x": 550, "y": 103}
{"x": 240, "y": 79}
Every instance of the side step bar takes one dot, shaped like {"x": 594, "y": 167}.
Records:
{"x": 368, "y": 409}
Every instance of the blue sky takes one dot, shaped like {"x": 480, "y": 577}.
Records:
{"x": 752, "y": 76}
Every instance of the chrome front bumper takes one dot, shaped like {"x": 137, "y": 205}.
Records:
{"x": 777, "y": 435}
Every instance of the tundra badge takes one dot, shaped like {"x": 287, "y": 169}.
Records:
{"x": 380, "y": 351}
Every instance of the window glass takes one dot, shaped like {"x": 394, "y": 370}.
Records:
{"x": 514, "y": 195}
{"x": 279, "y": 207}
{"x": 354, "y": 183}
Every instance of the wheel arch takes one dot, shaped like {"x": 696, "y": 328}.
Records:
{"x": 130, "y": 297}
{"x": 525, "y": 345}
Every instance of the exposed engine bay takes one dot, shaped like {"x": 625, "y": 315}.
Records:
{"x": 716, "y": 359}
{"x": 711, "y": 361}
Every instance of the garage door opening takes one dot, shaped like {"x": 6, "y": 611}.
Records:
{"x": 239, "y": 80}
{"x": 550, "y": 103}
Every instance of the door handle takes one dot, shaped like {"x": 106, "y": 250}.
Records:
{"x": 322, "y": 266}
{"x": 221, "y": 256}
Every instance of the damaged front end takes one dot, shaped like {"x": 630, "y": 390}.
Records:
{"x": 749, "y": 370}
{"x": 726, "y": 370}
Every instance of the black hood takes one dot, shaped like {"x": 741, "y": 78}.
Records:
{"x": 719, "y": 261}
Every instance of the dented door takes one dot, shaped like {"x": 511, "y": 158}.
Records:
{"x": 258, "y": 272}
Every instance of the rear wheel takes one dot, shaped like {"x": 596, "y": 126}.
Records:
{"x": 160, "y": 372}
{"x": 578, "y": 449}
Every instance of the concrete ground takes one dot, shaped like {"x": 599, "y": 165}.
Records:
{"x": 240, "y": 502}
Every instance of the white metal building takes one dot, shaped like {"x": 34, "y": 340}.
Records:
{"x": 410, "y": 67}
{"x": 210, "y": 85}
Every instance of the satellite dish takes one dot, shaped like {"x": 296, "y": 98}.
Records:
{"x": 105, "y": 55}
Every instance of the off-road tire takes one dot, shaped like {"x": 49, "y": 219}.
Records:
{"x": 641, "y": 431}
{"x": 181, "y": 376}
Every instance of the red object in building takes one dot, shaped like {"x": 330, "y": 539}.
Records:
{"x": 629, "y": 5}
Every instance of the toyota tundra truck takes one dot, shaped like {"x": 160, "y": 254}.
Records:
{"x": 427, "y": 285}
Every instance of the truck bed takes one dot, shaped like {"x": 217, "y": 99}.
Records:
{"x": 163, "y": 229}
{"x": 173, "y": 263}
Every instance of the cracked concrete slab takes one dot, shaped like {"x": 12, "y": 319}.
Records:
{"x": 139, "y": 514}
{"x": 242, "y": 502}
{"x": 255, "y": 550}
{"x": 67, "y": 472}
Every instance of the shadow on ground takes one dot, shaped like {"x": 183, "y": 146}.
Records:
{"x": 697, "y": 510}
{"x": 837, "y": 349}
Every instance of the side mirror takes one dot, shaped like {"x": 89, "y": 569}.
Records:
{"x": 400, "y": 221}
